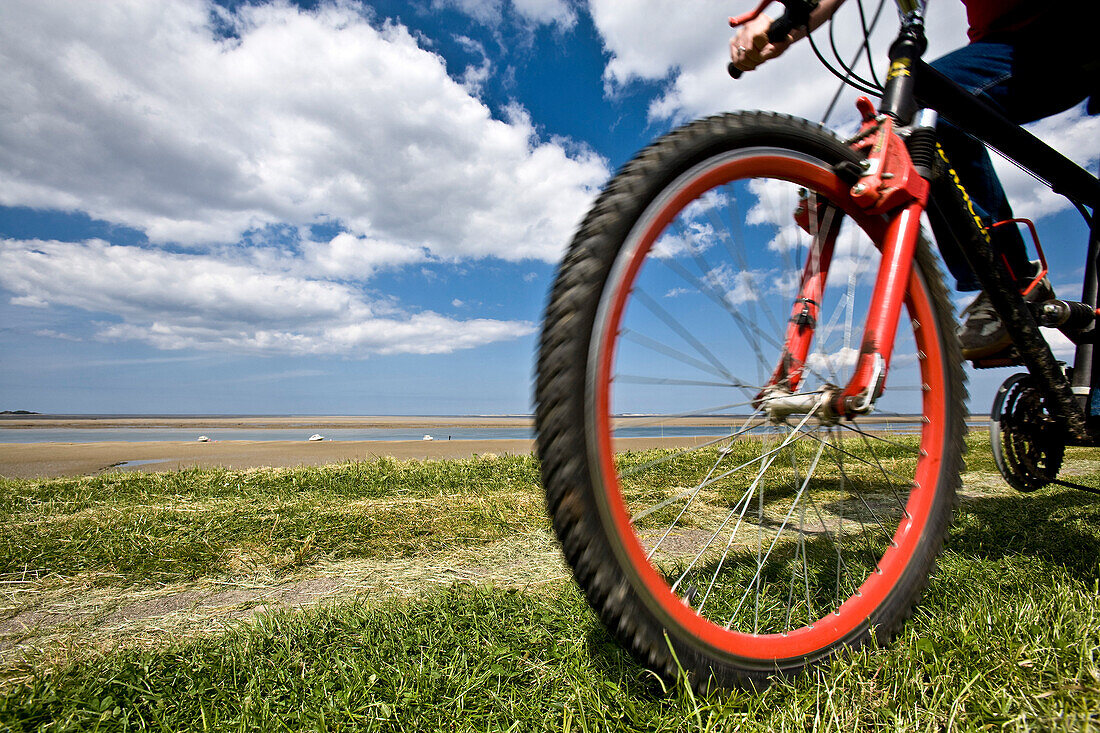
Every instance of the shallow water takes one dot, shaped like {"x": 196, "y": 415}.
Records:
{"x": 154, "y": 434}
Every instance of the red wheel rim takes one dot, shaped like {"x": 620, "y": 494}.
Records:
{"x": 851, "y": 616}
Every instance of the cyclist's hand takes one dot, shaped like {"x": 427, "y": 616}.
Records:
{"x": 751, "y": 47}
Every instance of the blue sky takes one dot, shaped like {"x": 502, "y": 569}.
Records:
{"x": 345, "y": 207}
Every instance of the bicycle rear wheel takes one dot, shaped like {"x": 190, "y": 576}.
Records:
{"x": 757, "y": 545}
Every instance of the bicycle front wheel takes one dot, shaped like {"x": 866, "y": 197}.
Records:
{"x": 747, "y": 543}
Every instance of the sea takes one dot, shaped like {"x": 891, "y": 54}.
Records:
{"x": 154, "y": 433}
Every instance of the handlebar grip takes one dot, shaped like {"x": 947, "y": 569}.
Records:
{"x": 780, "y": 29}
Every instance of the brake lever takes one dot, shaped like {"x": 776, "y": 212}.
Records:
{"x": 739, "y": 20}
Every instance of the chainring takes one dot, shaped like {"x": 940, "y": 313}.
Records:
{"x": 1028, "y": 446}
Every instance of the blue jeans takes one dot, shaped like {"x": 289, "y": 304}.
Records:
{"x": 1014, "y": 78}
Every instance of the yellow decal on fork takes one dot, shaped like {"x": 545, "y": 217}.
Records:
{"x": 899, "y": 68}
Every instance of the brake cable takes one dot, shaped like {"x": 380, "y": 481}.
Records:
{"x": 850, "y": 78}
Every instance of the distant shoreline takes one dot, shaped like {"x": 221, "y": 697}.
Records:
{"x": 259, "y": 422}
{"x": 323, "y": 422}
{"x": 47, "y": 460}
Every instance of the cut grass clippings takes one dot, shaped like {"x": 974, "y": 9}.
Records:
{"x": 1006, "y": 638}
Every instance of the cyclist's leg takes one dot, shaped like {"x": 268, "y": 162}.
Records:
{"x": 978, "y": 68}
{"x": 1004, "y": 75}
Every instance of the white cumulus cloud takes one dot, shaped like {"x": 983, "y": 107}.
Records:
{"x": 143, "y": 114}
{"x": 199, "y": 301}
{"x": 225, "y": 136}
{"x": 546, "y": 12}
{"x": 1074, "y": 134}
{"x": 531, "y": 12}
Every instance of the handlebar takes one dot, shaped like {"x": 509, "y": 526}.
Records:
{"x": 796, "y": 15}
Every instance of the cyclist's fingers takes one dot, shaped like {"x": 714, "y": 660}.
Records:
{"x": 745, "y": 46}
{"x": 772, "y": 50}
{"x": 740, "y": 55}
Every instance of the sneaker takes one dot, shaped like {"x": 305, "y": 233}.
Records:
{"x": 983, "y": 335}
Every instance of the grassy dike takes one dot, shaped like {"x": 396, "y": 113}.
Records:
{"x": 453, "y": 612}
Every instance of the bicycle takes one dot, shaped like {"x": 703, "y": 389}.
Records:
{"x": 720, "y": 278}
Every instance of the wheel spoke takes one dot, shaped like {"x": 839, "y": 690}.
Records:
{"x": 670, "y": 381}
{"x": 728, "y": 439}
{"x": 714, "y": 411}
{"x": 872, "y": 436}
{"x": 693, "y": 493}
{"x": 878, "y": 463}
{"x": 730, "y": 241}
{"x": 746, "y": 499}
{"x": 768, "y": 458}
{"x": 823, "y": 338}
{"x": 768, "y": 455}
{"x": 838, "y": 457}
{"x": 886, "y": 474}
{"x": 680, "y": 330}
{"x": 750, "y": 331}
{"x": 660, "y": 348}
{"x": 666, "y": 458}
{"x": 760, "y": 563}
{"x": 859, "y": 459}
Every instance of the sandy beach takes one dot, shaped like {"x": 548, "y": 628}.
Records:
{"x": 43, "y": 460}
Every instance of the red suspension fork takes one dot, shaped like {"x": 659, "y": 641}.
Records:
{"x": 890, "y": 186}
{"x": 884, "y": 311}
{"x": 806, "y": 309}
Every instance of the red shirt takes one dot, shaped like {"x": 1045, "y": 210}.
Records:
{"x": 987, "y": 17}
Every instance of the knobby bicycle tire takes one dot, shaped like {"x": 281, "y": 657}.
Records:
{"x": 613, "y": 302}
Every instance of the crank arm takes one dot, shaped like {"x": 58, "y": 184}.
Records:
{"x": 1071, "y": 485}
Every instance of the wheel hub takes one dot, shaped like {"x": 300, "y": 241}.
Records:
{"x": 779, "y": 404}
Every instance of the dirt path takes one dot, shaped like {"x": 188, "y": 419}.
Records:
{"x": 47, "y": 620}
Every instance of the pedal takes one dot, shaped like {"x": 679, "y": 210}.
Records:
{"x": 1065, "y": 315}
{"x": 1006, "y": 358}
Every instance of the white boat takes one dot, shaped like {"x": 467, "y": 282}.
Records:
{"x": 427, "y": 437}
{"x": 316, "y": 436}
{"x": 203, "y": 439}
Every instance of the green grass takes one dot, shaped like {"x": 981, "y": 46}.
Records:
{"x": 1007, "y": 638}
{"x": 168, "y": 527}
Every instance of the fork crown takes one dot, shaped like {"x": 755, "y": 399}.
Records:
{"x": 889, "y": 180}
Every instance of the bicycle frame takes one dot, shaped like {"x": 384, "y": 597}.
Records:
{"x": 891, "y": 183}
{"x": 1068, "y": 400}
